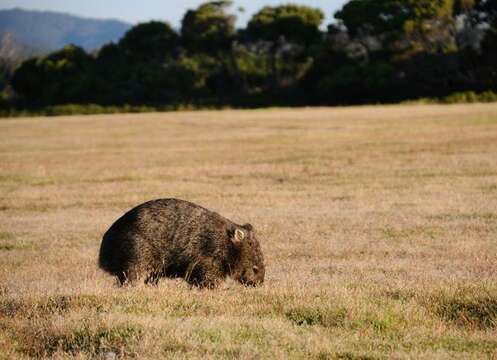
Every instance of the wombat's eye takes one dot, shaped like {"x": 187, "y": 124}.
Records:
{"x": 256, "y": 269}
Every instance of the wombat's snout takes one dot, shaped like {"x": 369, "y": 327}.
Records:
{"x": 253, "y": 278}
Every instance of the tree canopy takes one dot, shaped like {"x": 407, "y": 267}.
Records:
{"x": 208, "y": 28}
{"x": 294, "y": 23}
{"x": 375, "y": 51}
{"x": 65, "y": 75}
{"x": 152, "y": 41}
{"x": 401, "y": 24}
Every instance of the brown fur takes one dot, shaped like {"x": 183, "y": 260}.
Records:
{"x": 176, "y": 238}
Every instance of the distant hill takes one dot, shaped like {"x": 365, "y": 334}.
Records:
{"x": 44, "y": 31}
{"x": 12, "y": 49}
{"x": 12, "y": 52}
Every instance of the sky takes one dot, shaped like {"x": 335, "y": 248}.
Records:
{"x": 135, "y": 11}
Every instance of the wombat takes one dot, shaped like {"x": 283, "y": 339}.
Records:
{"x": 176, "y": 238}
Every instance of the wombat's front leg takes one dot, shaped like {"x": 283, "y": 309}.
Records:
{"x": 153, "y": 278}
{"x": 209, "y": 282}
{"x": 127, "y": 277}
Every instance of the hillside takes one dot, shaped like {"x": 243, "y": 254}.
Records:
{"x": 48, "y": 31}
{"x": 12, "y": 50}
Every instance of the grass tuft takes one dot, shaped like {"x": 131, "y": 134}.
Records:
{"x": 467, "y": 307}
{"x": 52, "y": 305}
{"x": 93, "y": 340}
{"x": 327, "y": 317}
{"x": 350, "y": 356}
{"x": 403, "y": 295}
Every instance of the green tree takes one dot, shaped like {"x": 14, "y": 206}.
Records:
{"x": 153, "y": 41}
{"x": 464, "y": 6}
{"x": 28, "y": 80}
{"x": 381, "y": 16}
{"x": 401, "y": 25}
{"x": 64, "y": 76}
{"x": 378, "y": 50}
{"x": 479, "y": 59}
{"x": 208, "y": 33}
{"x": 297, "y": 24}
{"x": 489, "y": 45}
{"x": 293, "y": 27}
{"x": 208, "y": 28}
{"x": 487, "y": 10}
{"x": 134, "y": 70}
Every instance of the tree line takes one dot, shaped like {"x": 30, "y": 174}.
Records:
{"x": 374, "y": 51}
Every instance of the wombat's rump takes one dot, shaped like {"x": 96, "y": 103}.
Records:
{"x": 176, "y": 238}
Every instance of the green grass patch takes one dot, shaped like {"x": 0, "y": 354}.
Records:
{"x": 430, "y": 232}
{"x": 212, "y": 335}
{"x": 489, "y": 188}
{"x": 484, "y": 216}
{"x": 251, "y": 334}
{"x": 8, "y": 242}
{"x": 6, "y": 236}
{"x": 310, "y": 316}
{"x": 471, "y": 307}
{"x": 47, "y": 306}
{"x": 380, "y": 323}
{"x": 31, "y": 308}
{"x": 463, "y": 97}
{"x": 92, "y": 340}
{"x": 26, "y": 179}
{"x": 399, "y": 294}
{"x": 465, "y": 345}
{"x": 187, "y": 308}
{"x": 94, "y": 109}
{"x": 346, "y": 356}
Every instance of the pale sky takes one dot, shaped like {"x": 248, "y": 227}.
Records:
{"x": 135, "y": 11}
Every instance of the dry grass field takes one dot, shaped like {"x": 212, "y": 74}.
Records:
{"x": 378, "y": 225}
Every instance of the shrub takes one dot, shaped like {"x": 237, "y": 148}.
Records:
{"x": 469, "y": 97}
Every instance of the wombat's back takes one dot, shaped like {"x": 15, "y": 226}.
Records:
{"x": 153, "y": 233}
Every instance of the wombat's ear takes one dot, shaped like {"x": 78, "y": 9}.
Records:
{"x": 239, "y": 235}
{"x": 248, "y": 227}
{"x": 236, "y": 236}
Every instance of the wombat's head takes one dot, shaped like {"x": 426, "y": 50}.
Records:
{"x": 249, "y": 269}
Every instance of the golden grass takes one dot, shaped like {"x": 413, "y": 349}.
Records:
{"x": 378, "y": 224}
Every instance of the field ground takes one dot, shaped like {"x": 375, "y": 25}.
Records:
{"x": 378, "y": 224}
